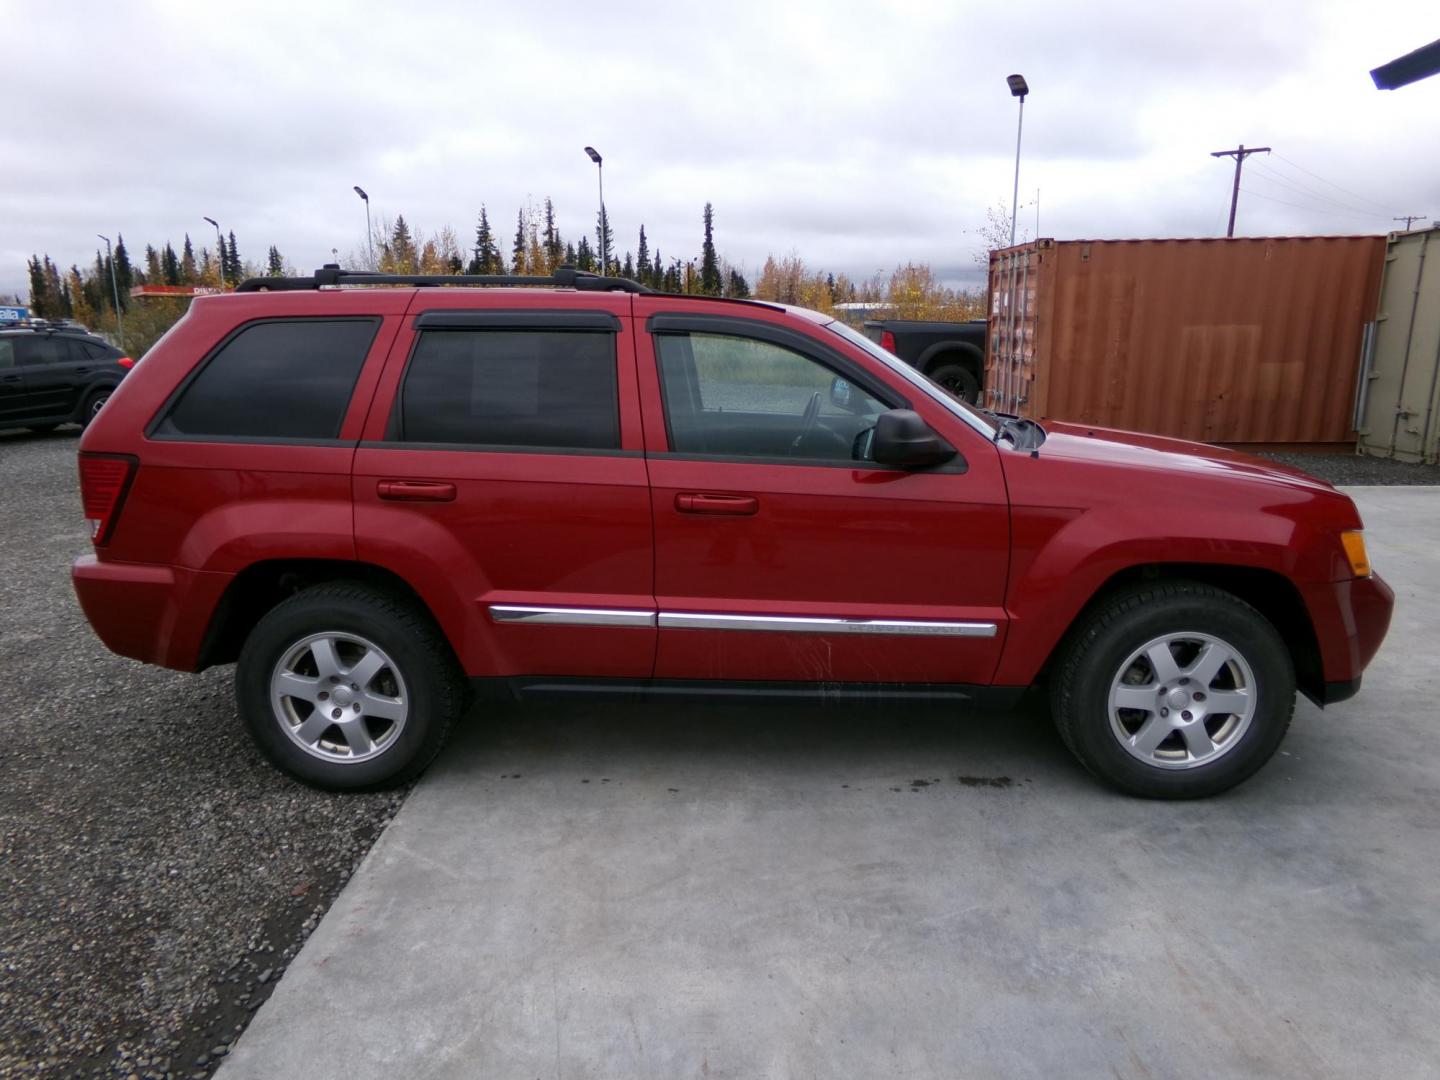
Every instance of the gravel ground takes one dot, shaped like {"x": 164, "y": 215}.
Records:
{"x": 157, "y": 874}
{"x": 1342, "y": 469}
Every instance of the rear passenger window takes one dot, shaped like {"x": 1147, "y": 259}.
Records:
{"x": 547, "y": 388}
{"x": 287, "y": 379}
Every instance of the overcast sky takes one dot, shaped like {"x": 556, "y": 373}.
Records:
{"x": 860, "y": 136}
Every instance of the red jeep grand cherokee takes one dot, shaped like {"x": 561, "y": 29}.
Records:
{"x": 378, "y": 496}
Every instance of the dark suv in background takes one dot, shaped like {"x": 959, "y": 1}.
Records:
{"x": 53, "y": 376}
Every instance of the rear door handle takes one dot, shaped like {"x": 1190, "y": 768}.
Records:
{"x": 416, "y": 491}
{"x": 82, "y": 371}
{"x": 10, "y": 378}
{"x": 699, "y": 503}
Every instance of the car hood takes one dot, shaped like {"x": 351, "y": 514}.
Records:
{"x": 1083, "y": 442}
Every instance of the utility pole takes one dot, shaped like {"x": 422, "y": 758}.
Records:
{"x": 1239, "y": 154}
{"x": 1408, "y": 218}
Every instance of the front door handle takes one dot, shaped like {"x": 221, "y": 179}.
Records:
{"x": 700, "y": 503}
{"x": 415, "y": 491}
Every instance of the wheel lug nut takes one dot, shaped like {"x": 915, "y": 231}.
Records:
{"x": 1164, "y": 712}
{"x": 354, "y": 687}
{"x": 1186, "y": 715}
{"x": 1184, "y": 682}
{"x": 323, "y": 695}
{"x": 334, "y": 679}
{"x": 1199, "y": 696}
{"x": 357, "y": 706}
{"x": 336, "y": 714}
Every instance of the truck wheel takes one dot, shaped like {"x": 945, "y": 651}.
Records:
{"x": 958, "y": 379}
{"x": 1174, "y": 690}
{"x": 346, "y": 687}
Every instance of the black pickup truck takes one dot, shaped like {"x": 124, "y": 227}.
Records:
{"x": 951, "y": 353}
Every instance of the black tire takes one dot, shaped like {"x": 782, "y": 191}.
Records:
{"x": 1090, "y": 664}
{"x": 433, "y": 686}
{"x": 94, "y": 401}
{"x": 41, "y": 429}
{"x": 958, "y": 379}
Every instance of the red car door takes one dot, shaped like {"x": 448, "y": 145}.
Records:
{"x": 781, "y": 556}
{"x": 502, "y": 472}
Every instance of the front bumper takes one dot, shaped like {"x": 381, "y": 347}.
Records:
{"x": 1350, "y": 619}
{"x": 155, "y": 613}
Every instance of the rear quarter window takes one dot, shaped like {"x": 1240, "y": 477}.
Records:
{"x": 282, "y": 379}
{"x": 521, "y": 388}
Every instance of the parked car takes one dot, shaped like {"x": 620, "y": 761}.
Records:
{"x": 50, "y": 377}
{"x": 950, "y": 353}
{"x": 378, "y": 501}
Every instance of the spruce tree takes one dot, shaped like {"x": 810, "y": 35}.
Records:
{"x": 39, "y": 294}
{"x": 153, "y": 273}
{"x": 570, "y": 256}
{"x": 124, "y": 272}
{"x": 627, "y": 270}
{"x": 485, "y": 256}
{"x": 170, "y": 266}
{"x": 737, "y": 286}
{"x": 234, "y": 271}
{"x": 584, "y": 257}
{"x": 274, "y": 264}
{"x": 517, "y": 252}
{"x": 604, "y": 241}
{"x": 189, "y": 275}
{"x": 642, "y": 259}
{"x": 401, "y": 248}
{"x": 554, "y": 249}
{"x": 711, "y": 283}
{"x": 657, "y": 272}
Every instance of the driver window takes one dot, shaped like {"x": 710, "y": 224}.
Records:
{"x": 739, "y": 397}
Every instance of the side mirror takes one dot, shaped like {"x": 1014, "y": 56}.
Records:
{"x": 840, "y": 393}
{"x": 904, "y": 440}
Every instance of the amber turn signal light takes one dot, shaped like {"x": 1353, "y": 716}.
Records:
{"x": 1354, "y": 544}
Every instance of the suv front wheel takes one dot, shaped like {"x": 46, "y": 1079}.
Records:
{"x": 1174, "y": 690}
{"x": 346, "y": 687}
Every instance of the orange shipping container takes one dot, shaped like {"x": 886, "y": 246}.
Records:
{"x": 1230, "y": 341}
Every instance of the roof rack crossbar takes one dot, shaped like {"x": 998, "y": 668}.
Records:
{"x": 330, "y": 275}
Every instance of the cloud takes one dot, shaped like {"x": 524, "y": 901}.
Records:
{"x": 859, "y": 135}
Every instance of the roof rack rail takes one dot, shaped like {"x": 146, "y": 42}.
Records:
{"x": 330, "y": 275}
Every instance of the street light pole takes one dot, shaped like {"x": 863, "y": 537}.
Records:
{"x": 115, "y": 291}
{"x": 369, "y": 234}
{"x": 604, "y": 245}
{"x": 219, "y": 249}
{"x": 1018, "y": 88}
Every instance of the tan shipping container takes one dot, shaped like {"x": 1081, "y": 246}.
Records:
{"x": 1398, "y": 408}
{"x": 1230, "y": 341}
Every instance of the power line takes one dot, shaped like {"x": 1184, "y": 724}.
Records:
{"x": 1239, "y": 154}
{"x": 1311, "y": 209}
{"x": 1408, "y": 218}
{"x": 1269, "y": 175}
{"x": 1317, "y": 176}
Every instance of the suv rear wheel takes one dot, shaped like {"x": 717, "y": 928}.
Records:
{"x": 346, "y": 687}
{"x": 1174, "y": 690}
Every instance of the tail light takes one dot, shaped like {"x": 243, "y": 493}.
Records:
{"x": 104, "y": 482}
{"x": 125, "y": 362}
{"x": 887, "y": 342}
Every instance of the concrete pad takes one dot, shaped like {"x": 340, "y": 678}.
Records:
{"x": 732, "y": 891}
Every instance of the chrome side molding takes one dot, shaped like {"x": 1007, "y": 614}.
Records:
{"x": 535, "y": 615}
{"x": 804, "y": 624}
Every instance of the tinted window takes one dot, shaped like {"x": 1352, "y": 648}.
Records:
{"x": 284, "y": 380}
{"x": 7, "y": 353}
{"x": 741, "y": 397}
{"x": 93, "y": 350}
{"x": 40, "y": 349}
{"x": 512, "y": 388}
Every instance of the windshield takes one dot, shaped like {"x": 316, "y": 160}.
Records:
{"x": 981, "y": 422}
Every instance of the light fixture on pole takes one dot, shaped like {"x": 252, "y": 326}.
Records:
{"x": 369, "y": 236}
{"x": 115, "y": 291}
{"x": 1018, "y": 88}
{"x": 604, "y": 246}
{"x": 219, "y": 247}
